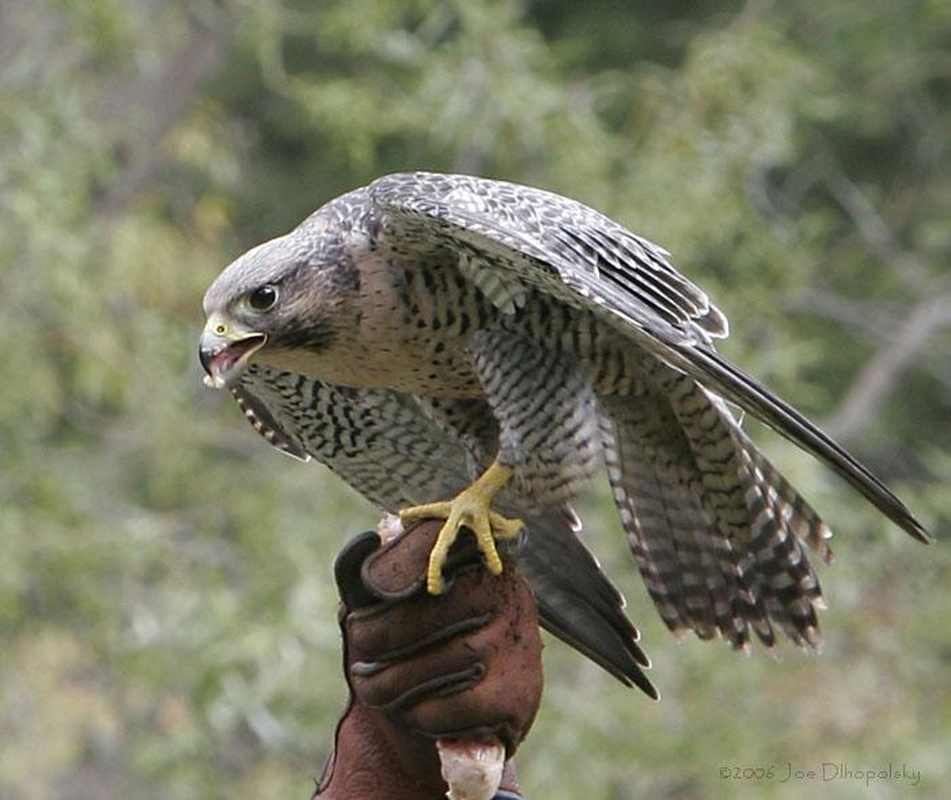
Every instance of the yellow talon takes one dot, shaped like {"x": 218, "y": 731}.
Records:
{"x": 471, "y": 508}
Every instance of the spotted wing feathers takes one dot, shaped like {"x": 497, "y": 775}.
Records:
{"x": 587, "y": 261}
{"x": 550, "y": 242}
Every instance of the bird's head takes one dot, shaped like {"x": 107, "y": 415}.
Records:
{"x": 285, "y": 296}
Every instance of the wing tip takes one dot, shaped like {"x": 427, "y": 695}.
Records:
{"x": 648, "y": 688}
{"x": 917, "y": 531}
{"x": 901, "y": 515}
{"x": 634, "y": 677}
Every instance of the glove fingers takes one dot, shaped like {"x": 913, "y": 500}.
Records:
{"x": 504, "y": 700}
{"x": 452, "y": 665}
{"x": 485, "y": 679}
{"x": 387, "y": 631}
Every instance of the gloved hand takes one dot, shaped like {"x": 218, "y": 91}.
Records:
{"x": 462, "y": 665}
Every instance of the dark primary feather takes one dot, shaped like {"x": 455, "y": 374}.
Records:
{"x": 750, "y": 394}
{"x": 579, "y": 256}
{"x": 578, "y": 604}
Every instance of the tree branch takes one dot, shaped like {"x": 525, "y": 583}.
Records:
{"x": 881, "y": 374}
{"x": 870, "y": 225}
{"x": 875, "y": 323}
{"x": 873, "y": 320}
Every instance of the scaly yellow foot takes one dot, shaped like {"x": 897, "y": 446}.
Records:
{"x": 471, "y": 508}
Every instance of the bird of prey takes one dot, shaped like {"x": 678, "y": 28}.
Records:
{"x": 473, "y": 350}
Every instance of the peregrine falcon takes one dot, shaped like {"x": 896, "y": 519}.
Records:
{"x": 473, "y": 350}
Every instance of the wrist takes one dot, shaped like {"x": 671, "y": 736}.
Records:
{"x": 372, "y": 761}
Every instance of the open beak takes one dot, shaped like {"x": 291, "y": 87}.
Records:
{"x": 224, "y": 352}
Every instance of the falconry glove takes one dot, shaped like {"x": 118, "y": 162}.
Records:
{"x": 461, "y": 666}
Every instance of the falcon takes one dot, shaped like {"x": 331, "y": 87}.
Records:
{"x": 475, "y": 350}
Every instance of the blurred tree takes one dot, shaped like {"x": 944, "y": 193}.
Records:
{"x": 164, "y": 596}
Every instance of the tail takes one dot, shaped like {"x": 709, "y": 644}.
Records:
{"x": 576, "y": 601}
{"x": 718, "y": 534}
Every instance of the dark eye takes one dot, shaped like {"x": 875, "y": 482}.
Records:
{"x": 262, "y": 298}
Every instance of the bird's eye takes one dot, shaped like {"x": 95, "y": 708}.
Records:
{"x": 263, "y": 298}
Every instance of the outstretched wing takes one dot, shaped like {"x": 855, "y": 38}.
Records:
{"x": 383, "y": 445}
{"x": 512, "y": 238}
{"x": 517, "y": 236}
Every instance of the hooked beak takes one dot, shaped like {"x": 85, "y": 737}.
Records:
{"x": 224, "y": 351}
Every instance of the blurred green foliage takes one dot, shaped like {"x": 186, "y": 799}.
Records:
{"x": 166, "y": 609}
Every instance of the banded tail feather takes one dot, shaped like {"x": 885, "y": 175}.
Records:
{"x": 718, "y": 534}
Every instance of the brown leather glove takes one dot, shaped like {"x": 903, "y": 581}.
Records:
{"x": 465, "y": 664}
